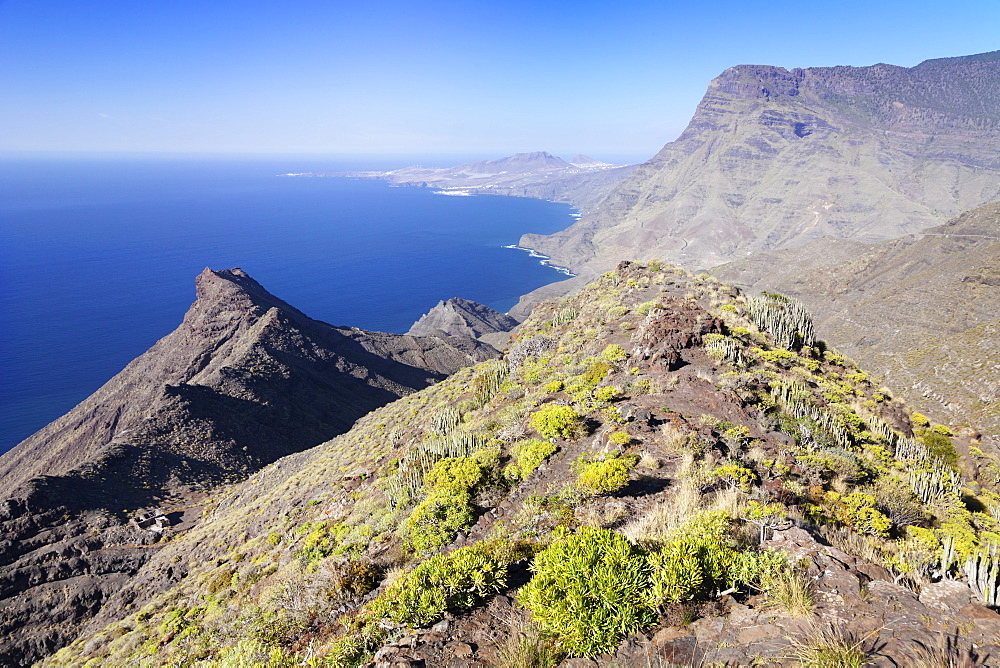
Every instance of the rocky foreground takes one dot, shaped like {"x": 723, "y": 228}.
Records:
{"x": 661, "y": 470}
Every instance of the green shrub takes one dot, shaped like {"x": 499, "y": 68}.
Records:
{"x": 616, "y": 312}
{"x": 455, "y": 581}
{"x": 323, "y": 540}
{"x": 700, "y": 560}
{"x": 919, "y": 420}
{"x": 600, "y": 474}
{"x": 614, "y": 353}
{"x": 857, "y": 510}
{"x": 595, "y": 374}
{"x": 555, "y": 421}
{"x": 221, "y": 580}
{"x": 437, "y": 519}
{"x": 620, "y": 438}
{"x": 609, "y": 393}
{"x": 589, "y": 590}
{"x": 454, "y": 473}
{"x": 448, "y": 507}
{"x": 554, "y": 386}
{"x": 942, "y": 430}
{"x": 780, "y": 357}
{"x": 940, "y": 447}
{"x": 356, "y": 579}
{"x": 735, "y": 476}
{"x": 644, "y": 308}
{"x": 643, "y": 386}
{"x": 528, "y": 455}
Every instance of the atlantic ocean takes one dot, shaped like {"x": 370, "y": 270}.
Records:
{"x": 98, "y": 257}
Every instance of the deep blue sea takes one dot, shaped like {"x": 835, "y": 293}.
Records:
{"x": 98, "y": 257}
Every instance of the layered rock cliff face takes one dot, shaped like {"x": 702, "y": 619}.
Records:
{"x": 245, "y": 379}
{"x": 920, "y": 310}
{"x": 773, "y": 158}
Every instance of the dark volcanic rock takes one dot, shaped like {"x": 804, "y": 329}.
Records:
{"x": 245, "y": 379}
{"x": 461, "y": 317}
{"x": 681, "y": 325}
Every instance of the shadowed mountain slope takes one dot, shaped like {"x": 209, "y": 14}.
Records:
{"x": 773, "y": 158}
{"x": 244, "y": 380}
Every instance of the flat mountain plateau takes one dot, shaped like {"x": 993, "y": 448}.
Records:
{"x": 773, "y": 158}
{"x": 660, "y": 471}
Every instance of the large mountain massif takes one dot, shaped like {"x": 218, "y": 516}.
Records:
{"x": 773, "y": 158}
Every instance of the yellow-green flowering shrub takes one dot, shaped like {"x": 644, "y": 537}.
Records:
{"x": 589, "y": 590}
{"x": 614, "y": 353}
{"x": 558, "y": 421}
{"x": 437, "y": 519}
{"x": 528, "y": 455}
{"x": 601, "y": 473}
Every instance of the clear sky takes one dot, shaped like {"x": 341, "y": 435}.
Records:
{"x": 610, "y": 79}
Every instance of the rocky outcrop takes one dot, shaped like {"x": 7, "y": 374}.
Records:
{"x": 245, "y": 380}
{"x": 920, "y": 310}
{"x": 773, "y": 158}
{"x": 461, "y": 317}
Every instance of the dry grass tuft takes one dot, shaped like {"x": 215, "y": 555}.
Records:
{"x": 946, "y": 654}
{"x": 829, "y": 647}
{"x": 525, "y": 646}
{"x": 791, "y": 591}
{"x": 655, "y": 525}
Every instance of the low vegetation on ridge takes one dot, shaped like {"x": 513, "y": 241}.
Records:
{"x": 623, "y": 468}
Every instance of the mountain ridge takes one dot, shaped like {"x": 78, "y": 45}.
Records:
{"x": 538, "y": 174}
{"x": 677, "y": 422}
{"x": 907, "y": 308}
{"x": 244, "y": 380}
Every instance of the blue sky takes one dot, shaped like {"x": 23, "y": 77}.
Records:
{"x": 612, "y": 80}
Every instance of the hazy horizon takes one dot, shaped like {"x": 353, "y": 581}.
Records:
{"x": 412, "y": 79}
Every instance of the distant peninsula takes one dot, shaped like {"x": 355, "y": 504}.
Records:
{"x": 582, "y": 181}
